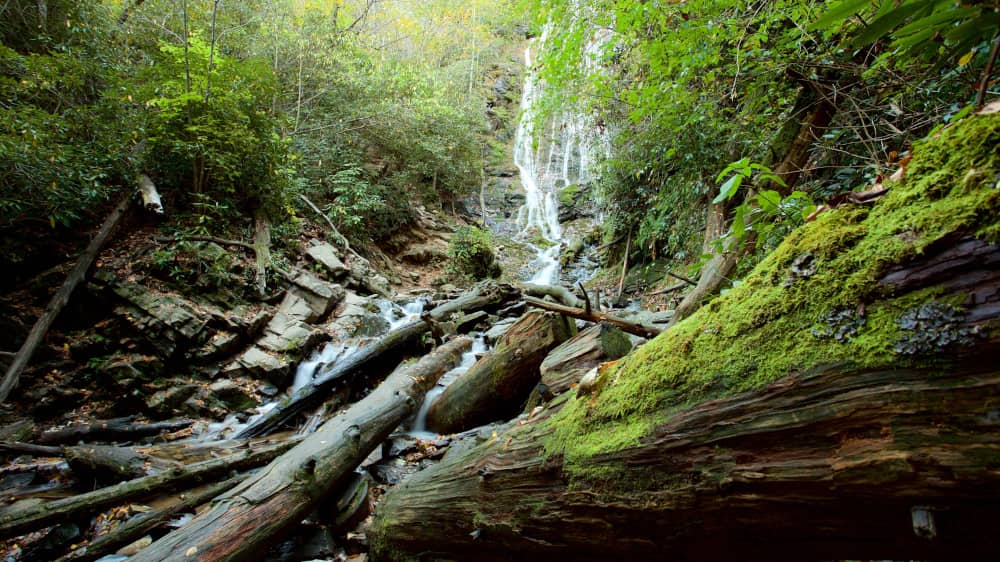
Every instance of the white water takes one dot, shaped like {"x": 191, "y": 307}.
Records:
{"x": 418, "y": 428}
{"x": 560, "y": 157}
{"x": 319, "y": 362}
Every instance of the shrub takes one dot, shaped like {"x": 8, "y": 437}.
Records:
{"x": 471, "y": 253}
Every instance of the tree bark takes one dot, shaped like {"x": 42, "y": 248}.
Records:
{"x": 119, "y": 429}
{"x": 380, "y": 356}
{"x": 260, "y": 509}
{"x": 497, "y": 386}
{"x": 827, "y": 465}
{"x": 15, "y": 520}
{"x": 60, "y": 299}
{"x": 137, "y": 527}
{"x": 262, "y": 249}
{"x": 640, "y": 330}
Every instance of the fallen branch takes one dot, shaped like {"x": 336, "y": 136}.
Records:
{"x": 278, "y": 497}
{"x": 137, "y": 527}
{"x": 340, "y": 238}
{"x": 681, "y": 278}
{"x": 16, "y": 520}
{"x": 641, "y": 330}
{"x": 118, "y": 429}
{"x": 219, "y": 241}
{"x": 558, "y": 292}
{"x": 60, "y": 299}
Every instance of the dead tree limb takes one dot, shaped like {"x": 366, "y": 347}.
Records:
{"x": 118, "y": 429}
{"x": 15, "y": 520}
{"x": 558, "y": 292}
{"x": 137, "y": 527}
{"x": 641, "y": 330}
{"x": 260, "y": 509}
{"x": 60, "y": 299}
{"x": 337, "y": 236}
{"x": 262, "y": 249}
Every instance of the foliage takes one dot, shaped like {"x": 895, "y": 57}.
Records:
{"x": 471, "y": 254}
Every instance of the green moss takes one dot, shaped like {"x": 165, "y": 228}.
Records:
{"x": 567, "y": 195}
{"x": 763, "y": 328}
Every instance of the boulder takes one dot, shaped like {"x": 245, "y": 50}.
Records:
{"x": 233, "y": 396}
{"x": 326, "y": 255}
{"x": 259, "y": 364}
{"x": 320, "y": 295}
{"x": 164, "y": 403}
{"x": 285, "y": 333}
{"x": 365, "y": 277}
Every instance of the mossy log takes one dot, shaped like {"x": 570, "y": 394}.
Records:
{"x": 496, "y": 386}
{"x": 839, "y": 403}
{"x": 15, "y": 519}
{"x": 263, "y": 507}
{"x": 377, "y": 358}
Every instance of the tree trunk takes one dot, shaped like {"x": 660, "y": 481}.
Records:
{"x": 827, "y": 465}
{"x": 15, "y": 520}
{"x": 60, "y": 299}
{"x": 260, "y": 509}
{"x": 382, "y": 355}
{"x": 640, "y": 330}
{"x": 496, "y": 387}
{"x": 262, "y": 249}
{"x": 567, "y": 364}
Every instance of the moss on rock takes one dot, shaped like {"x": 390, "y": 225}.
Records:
{"x": 775, "y": 322}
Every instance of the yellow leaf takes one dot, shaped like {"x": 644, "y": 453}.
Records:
{"x": 966, "y": 58}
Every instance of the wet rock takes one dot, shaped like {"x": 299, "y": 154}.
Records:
{"x": 371, "y": 325}
{"x": 234, "y": 397}
{"x": 259, "y": 364}
{"x": 220, "y": 344}
{"x": 288, "y": 334}
{"x": 498, "y": 330}
{"x": 363, "y": 275}
{"x": 166, "y": 402}
{"x": 126, "y": 370}
{"x": 318, "y": 294}
{"x": 326, "y": 255}
{"x": 317, "y": 543}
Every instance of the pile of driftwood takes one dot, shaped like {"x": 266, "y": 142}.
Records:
{"x": 254, "y": 489}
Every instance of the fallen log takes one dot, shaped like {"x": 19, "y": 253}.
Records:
{"x": 731, "y": 435}
{"x": 820, "y": 466}
{"x": 137, "y": 527}
{"x": 60, "y": 299}
{"x": 15, "y": 519}
{"x": 380, "y": 356}
{"x": 260, "y": 509}
{"x": 497, "y": 386}
{"x": 640, "y": 330}
{"x": 150, "y": 196}
{"x": 98, "y": 463}
{"x": 118, "y": 429}
{"x": 558, "y": 292}
{"x": 565, "y": 365}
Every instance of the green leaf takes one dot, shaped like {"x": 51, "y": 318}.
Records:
{"x": 729, "y": 188}
{"x": 769, "y": 201}
{"x": 838, "y": 13}
{"x": 883, "y": 25}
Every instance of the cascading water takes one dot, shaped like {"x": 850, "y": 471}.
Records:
{"x": 419, "y": 427}
{"x": 547, "y": 163}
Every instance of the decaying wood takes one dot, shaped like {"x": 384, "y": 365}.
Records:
{"x": 137, "y": 527}
{"x": 101, "y": 462}
{"x": 816, "y": 466}
{"x": 565, "y": 365}
{"x": 15, "y": 519}
{"x": 118, "y": 429}
{"x": 267, "y": 504}
{"x": 150, "y": 196}
{"x": 378, "y": 357}
{"x": 60, "y": 299}
{"x": 497, "y": 386}
{"x": 640, "y": 330}
{"x": 558, "y": 292}
{"x": 261, "y": 249}
{"x": 41, "y": 467}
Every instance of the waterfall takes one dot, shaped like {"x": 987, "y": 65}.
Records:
{"x": 548, "y": 162}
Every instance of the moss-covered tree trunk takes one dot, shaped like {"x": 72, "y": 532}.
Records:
{"x": 840, "y": 403}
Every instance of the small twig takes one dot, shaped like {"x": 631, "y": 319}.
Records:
{"x": 586, "y": 298}
{"x": 680, "y": 278}
{"x": 670, "y": 289}
{"x": 220, "y": 241}
{"x": 7, "y": 353}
